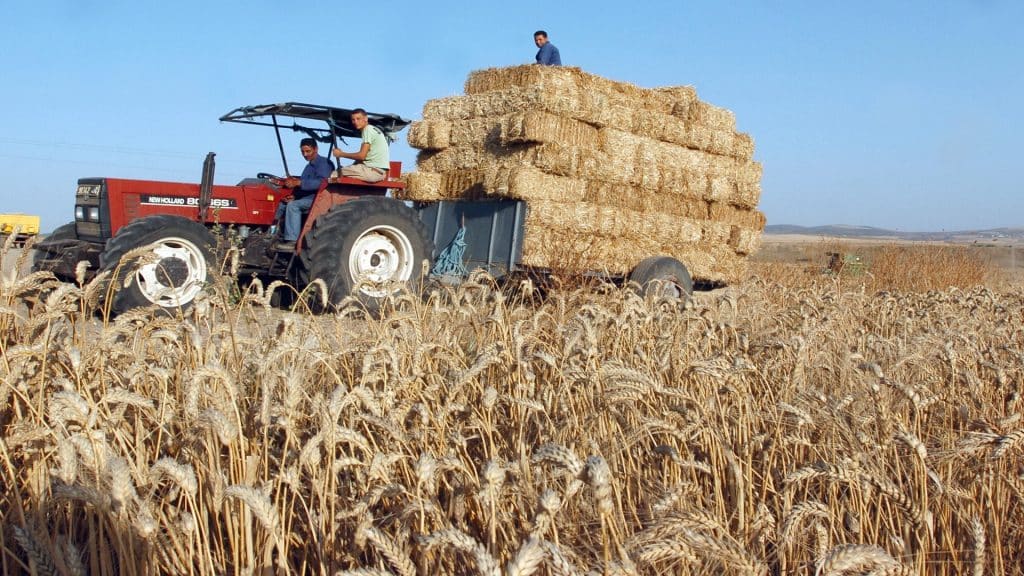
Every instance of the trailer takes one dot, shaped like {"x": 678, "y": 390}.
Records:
{"x": 357, "y": 239}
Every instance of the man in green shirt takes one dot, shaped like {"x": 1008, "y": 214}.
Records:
{"x": 373, "y": 159}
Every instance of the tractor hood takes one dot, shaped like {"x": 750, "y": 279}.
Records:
{"x": 338, "y": 120}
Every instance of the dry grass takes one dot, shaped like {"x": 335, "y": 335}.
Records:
{"x": 886, "y": 267}
{"x": 764, "y": 429}
{"x": 923, "y": 268}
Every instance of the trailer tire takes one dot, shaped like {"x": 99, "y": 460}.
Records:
{"x": 184, "y": 258}
{"x": 662, "y": 275}
{"x": 370, "y": 247}
{"x": 47, "y": 260}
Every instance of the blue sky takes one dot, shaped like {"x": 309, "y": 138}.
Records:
{"x": 904, "y": 115}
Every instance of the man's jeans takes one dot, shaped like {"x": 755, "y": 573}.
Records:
{"x": 292, "y": 212}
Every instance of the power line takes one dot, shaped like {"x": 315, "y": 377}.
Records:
{"x": 123, "y": 150}
{"x": 232, "y": 174}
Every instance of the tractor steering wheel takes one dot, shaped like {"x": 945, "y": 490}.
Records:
{"x": 266, "y": 176}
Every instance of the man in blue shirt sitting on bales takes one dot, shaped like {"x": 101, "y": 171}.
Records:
{"x": 304, "y": 191}
{"x": 548, "y": 54}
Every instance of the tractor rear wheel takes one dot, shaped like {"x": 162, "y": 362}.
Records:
{"x": 369, "y": 247}
{"x": 662, "y": 275}
{"x": 169, "y": 273}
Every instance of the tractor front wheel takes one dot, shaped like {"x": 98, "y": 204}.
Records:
{"x": 51, "y": 258}
{"x": 169, "y": 272}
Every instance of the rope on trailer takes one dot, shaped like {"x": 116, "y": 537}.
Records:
{"x": 449, "y": 262}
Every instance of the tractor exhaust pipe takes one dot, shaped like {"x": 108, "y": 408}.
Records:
{"x": 206, "y": 186}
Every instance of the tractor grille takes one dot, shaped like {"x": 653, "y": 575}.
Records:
{"x": 92, "y": 213}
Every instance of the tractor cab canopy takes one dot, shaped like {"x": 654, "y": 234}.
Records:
{"x": 338, "y": 120}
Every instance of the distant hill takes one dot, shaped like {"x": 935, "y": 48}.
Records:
{"x": 846, "y": 231}
{"x": 837, "y": 230}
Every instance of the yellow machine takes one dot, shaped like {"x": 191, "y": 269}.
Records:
{"x": 25, "y": 224}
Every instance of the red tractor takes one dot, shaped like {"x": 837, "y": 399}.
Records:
{"x": 161, "y": 241}
{"x": 355, "y": 237}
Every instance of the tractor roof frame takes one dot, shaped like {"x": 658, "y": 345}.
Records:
{"x": 338, "y": 121}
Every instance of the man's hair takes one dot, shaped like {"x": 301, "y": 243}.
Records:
{"x": 540, "y": 33}
{"x": 307, "y": 142}
{"x": 358, "y": 111}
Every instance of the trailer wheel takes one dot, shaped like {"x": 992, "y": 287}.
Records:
{"x": 50, "y": 259}
{"x": 371, "y": 247}
{"x": 662, "y": 275}
{"x": 172, "y": 270}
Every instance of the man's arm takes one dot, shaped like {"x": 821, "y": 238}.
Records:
{"x": 357, "y": 156}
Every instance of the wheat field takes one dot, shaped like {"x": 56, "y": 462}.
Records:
{"x": 760, "y": 429}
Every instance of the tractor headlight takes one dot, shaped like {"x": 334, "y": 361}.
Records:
{"x": 93, "y": 214}
{"x": 79, "y": 212}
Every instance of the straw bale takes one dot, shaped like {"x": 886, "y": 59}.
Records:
{"x": 518, "y": 128}
{"x": 476, "y": 132}
{"x": 452, "y": 185}
{"x": 552, "y": 158}
{"x": 747, "y": 195}
{"x": 730, "y": 214}
{"x": 671, "y": 99}
{"x": 586, "y": 106}
{"x": 567, "y": 249}
{"x": 743, "y": 146}
{"x": 744, "y": 240}
{"x": 659, "y": 127}
{"x": 529, "y": 183}
{"x": 645, "y": 200}
{"x": 679, "y": 182}
{"x": 739, "y": 185}
{"x": 614, "y": 195}
{"x": 715, "y": 232}
{"x": 609, "y": 221}
{"x": 441, "y": 134}
{"x": 622, "y": 144}
{"x": 568, "y": 78}
{"x": 711, "y": 130}
{"x": 634, "y": 166}
{"x": 712, "y": 116}
{"x": 579, "y": 218}
{"x": 525, "y": 76}
{"x": 463, "y": 184}
{"x": 673, "y": 130}
{"x": 421, "y": 185}
{"x": 430, "y": 135}
{"x": 526, "y": 183}
{"x": 558, "y": 249}
{"x": 475, "y": 157}
{"x": 542, "y": 127}
{"x": 725, "y": 266}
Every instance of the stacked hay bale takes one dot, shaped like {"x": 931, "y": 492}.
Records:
{"x": 611, "y": 173}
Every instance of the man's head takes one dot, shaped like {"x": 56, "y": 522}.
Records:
{"x": 359, "y": 120}
{"x": 308, "y": 148}
{"x": 540, "y": 38}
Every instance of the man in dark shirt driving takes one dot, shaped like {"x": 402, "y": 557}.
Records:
{"x": 304, "y": 191}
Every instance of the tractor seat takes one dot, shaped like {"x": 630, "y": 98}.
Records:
{"x": 390, "y": 179}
